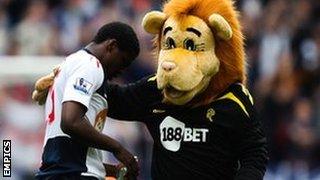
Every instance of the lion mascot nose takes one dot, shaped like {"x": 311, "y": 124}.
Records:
{"x": 168, "y": 66}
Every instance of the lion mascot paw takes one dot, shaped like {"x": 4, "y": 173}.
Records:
{"x": 42, "y": 86}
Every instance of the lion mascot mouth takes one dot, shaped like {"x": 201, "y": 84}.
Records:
{"x": 186, "y": 52}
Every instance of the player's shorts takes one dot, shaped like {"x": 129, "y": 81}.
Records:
{"x": 67, "y": 177}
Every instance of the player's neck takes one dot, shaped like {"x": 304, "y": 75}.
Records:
{"x": 93, "y": 49}
{"x": 90, "y": 48}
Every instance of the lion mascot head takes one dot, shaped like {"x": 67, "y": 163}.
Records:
{"x": 199, "y": 47}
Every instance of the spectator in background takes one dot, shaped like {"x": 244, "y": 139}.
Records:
{"x": 3, "y": 31}
{"x": 33, "y": 33}
{"x": 22, "y": 123}
{"x": 274, "y": 39}
{"x": 301, "y": 133}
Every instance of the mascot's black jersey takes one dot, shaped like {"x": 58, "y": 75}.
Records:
{"x": 219, "y": 141}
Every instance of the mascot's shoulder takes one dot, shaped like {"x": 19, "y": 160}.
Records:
{"x": 237, "y": 100}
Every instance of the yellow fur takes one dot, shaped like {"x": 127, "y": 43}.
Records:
{"x": 222, "y": 27}
{"x": 153, "y": 21}
{"x": 42, "y": 86}
{"x": 194, "y": 68}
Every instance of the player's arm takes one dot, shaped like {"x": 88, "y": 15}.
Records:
{"x": 80, "y": 129}
{"x": 74, "y": 124}
{"x": 132, "y": 101}
{"x": 82, "y": 80}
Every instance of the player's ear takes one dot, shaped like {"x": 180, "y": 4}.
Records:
{"x": 111, "y": 44}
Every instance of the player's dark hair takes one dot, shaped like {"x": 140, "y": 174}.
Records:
{"x": 122, "y": 33}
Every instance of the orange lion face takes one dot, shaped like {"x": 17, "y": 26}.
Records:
{"x": 186, "y": 61}
{"x": 196, "y": 46}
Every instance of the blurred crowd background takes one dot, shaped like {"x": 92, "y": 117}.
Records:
{"x": 283, "y": 55}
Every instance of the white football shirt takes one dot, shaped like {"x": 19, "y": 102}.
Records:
{"x": 81, "y": 78}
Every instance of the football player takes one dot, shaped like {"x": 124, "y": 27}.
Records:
{"x": 76, "y": 108}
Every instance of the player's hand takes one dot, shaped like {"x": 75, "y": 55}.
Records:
{"x": 129, "y": 161}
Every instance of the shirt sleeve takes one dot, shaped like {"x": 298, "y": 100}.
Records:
{"x": 252, "y": 150}
{"x": 132, "y": 101}
{"x": 249, "y": 138}
{"x": 245, "y": 132}
{"x": 82, "y": 81}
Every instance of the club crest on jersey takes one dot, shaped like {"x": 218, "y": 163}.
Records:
{"x": 210, "y": 113}
{"x": 82, "y": 85}
{"x": 100, "y": 120}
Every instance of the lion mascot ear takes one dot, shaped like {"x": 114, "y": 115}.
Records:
{"x": 42, "y": 86}
{"x": 153, "y": 21}
{"x": 222, "y": 27}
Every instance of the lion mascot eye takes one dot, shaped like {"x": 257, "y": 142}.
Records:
{"x": 189, "y": 44}
{"x": 170, "y": 44}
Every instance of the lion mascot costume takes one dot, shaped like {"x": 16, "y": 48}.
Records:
{"x": 196, "y": 107}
